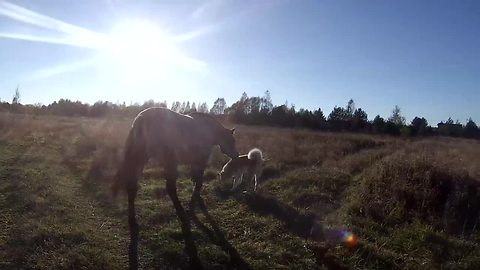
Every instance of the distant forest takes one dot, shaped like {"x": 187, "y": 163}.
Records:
{"x": 261, "y": 111}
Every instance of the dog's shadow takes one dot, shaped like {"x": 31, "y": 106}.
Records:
{"x": 304, "y": 225}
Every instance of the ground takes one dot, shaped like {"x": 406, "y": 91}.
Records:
{"x": 410, "y": 203}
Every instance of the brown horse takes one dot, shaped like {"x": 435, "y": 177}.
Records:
{"x": 170, "y": 139}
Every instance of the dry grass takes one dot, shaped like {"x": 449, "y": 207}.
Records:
{"x": 413, "y": 203}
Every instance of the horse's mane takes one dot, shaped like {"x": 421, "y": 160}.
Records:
{"x": 205, "y": 117}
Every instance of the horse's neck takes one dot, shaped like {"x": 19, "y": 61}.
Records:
{"x": 207, "y": 130}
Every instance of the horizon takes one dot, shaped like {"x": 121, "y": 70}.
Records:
{"x": 423, "y": 57}
{"x": 169, "y": 105}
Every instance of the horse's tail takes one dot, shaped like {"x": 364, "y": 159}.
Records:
{"x": 255, "y": 154}
{"x": 134, "y": 157}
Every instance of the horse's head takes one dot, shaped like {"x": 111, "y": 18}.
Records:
{"x": 227, "y": 143}
{"x": 221, "y": 136}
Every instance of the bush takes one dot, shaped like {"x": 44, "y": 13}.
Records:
{"x": 406, "y": 187}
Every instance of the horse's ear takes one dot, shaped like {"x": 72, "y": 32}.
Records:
{"x": 232, "y": 130}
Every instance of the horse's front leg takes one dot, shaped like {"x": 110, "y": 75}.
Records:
{"x": 132, "y": 174}
{"x": 191, "y": 250}
{"x": 197, "y": 176}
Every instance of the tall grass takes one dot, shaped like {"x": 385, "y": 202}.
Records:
{"x": 414, "y": 203}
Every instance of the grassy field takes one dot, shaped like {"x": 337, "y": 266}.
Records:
{"x": 413, "y": 204}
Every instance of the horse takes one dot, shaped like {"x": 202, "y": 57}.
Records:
{"x": 171, "y": 139}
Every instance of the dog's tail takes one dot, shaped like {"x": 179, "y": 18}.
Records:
{"x": 255, "y": 154}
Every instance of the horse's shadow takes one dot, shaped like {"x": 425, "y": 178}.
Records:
{"x": 305, "y": 225}
{"x": 215, "y": 235}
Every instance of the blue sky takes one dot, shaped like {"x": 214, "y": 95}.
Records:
{"x": 421, "y": 55}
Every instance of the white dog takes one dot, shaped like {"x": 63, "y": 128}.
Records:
{"x": 249, "y": 166}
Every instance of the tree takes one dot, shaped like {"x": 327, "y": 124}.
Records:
{"x": 252, "y": 110}
{"x": 203, "y": 108}
{"x": 397, "y": 117}
{"x": 406, "y": 131}
{"x": 266, "y": 104}
{"x": 254, "y": 104}
{"x": 338, "y": 113}
{"x": 304, "y": 118}
{"x": 319, "y": 119}
{"x": 176, "y": 106}
{"x": 237, "y": 112}
{"x": 418, "y": 126}
{"x": 182, "y": 107}
{"x": 378, "y": 124}
{"x": 148, "y": 104}
{"x": 99, "y": 109}
{"x": 16, "y": 106}
{"x": 359, "y": 119}
{"x": 350, "y": 107}
{"x": 471, "y": 129}
{"x": 219, "y": 106}
{"x": 338, "y": 118}
{"x": 280, "y": 115}
{"x": 392, "y": 128}
{"x": 244, "y": 97}
{"x": 193, "y": 108}
{"x": 16, "y": 97}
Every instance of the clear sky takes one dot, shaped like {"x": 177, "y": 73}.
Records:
{"x": 421, "y": 55}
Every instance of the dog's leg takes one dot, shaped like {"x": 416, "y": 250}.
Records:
{"x": 234, "y": 183}
{"x": 241, "y": 179}
{"x": 237, "y": 181}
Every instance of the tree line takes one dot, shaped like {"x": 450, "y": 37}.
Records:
{"x": 261, "y": 111}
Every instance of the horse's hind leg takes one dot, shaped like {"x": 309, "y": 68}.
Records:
{"x": 171, "y": 176}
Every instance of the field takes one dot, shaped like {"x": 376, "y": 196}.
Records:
{"x": 411, "y": 203}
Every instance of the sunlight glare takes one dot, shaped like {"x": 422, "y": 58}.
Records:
{"x": 140, "y": 49}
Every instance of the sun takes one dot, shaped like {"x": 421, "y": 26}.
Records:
{"x": 140, "y": 49}
{"x": 138, "y": 54}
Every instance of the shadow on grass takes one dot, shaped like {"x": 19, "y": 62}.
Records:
{"x": 305, "y": 225}
{"x": 217, "y": 237}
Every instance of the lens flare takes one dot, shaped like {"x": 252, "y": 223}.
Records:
{"x": 349, "y": 239}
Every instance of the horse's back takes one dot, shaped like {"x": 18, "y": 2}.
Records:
{"x": 164, "y": 126}
{"x": 158, "y": 114}
{"x": 164, "y": 129}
